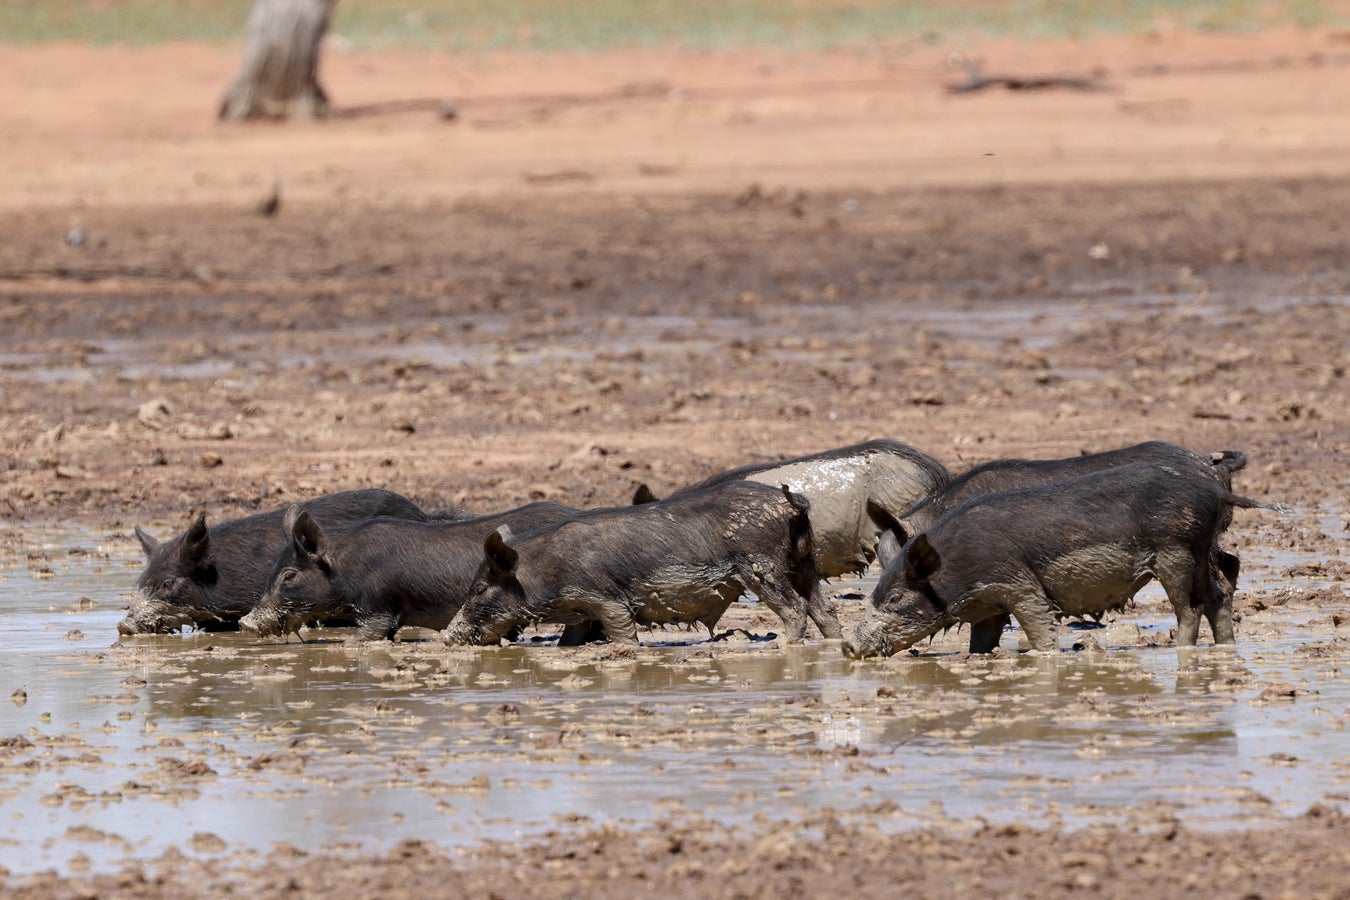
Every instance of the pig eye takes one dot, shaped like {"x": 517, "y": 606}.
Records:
{"x": 288, "y": 576}
{"x": 166, "y": 584}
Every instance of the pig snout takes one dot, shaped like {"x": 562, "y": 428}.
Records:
{"x": 147, "y": 616}
{"x": 869, "y": 639}
{"x": 457, "y": 633}
{"x": 464, "y": 634}
{"x": 261, "y": 623}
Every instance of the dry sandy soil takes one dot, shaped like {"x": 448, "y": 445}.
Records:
{"x": 649, "y": 266}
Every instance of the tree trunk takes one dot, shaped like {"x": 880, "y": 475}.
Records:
{"x": 279, "y": 77}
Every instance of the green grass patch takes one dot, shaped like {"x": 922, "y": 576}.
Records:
{"x": 572, "y": 25}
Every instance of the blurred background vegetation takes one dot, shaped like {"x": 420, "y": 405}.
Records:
{"x": 574, "y": 25}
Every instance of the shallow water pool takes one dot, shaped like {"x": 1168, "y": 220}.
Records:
{"x": 211, "y": 742}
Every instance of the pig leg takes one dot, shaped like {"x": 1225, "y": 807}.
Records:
{"x": 805, "y": 582}
{"x": 1188, "y": 624}
{"x": 379, "y": 627}
{"x": 1219, "y": 599}
{"x": 615, "y": 618}
{"x": 822, "y": 613}
{"x": 1031, "y": 608}
{"x": 579, "y": 633}
{"x": 986, "y": 633}
{"x": 790, "y": 609}
{"x": 1177, "y": 572}
{"x": 718, "y": 603}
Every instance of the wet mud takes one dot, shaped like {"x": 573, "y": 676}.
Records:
{"x": 215, "y": 747}
{"x": 490, "y": 350}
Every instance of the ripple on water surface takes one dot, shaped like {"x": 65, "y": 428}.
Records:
{"x": 114, "y": 748}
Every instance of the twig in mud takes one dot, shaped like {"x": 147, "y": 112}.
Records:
{"x": 752, "y": 638}
{"x": 1199, "y": 298}
{"x": 905, "y": 741}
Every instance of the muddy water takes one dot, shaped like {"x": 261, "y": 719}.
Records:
{"x": 483, "y": 338}
{"x": 207, "y": 742}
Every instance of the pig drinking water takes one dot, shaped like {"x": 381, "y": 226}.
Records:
{"x": 1075, "y": 547}
{"x": 681, "y": 560}
{"x": 384, "y": 573}
{"x": 210, "y": 577}
{"x": 855, "y": 493}
{"x": 1011, "y": 474}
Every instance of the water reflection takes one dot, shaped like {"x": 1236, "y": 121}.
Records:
{"x": 146, "y": 741}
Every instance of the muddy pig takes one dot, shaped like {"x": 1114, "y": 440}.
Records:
{"x": 1075, "y": 547}
{"x": 855, "y": 492}
{"x": 1010, "y": 474}
{"x": 681, "y": 560}
{"x": 210, "y": 577}
{"x": 383, "y": 573}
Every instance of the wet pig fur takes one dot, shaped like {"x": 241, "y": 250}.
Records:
{"x": 1012, "y": 474}
{"x": 681, "y": 560}
{"x": 856, "y": 493}
{"x": 210, "y": 577}
{"x": 384, "y": 573}
{"x": 1075, "y": 547}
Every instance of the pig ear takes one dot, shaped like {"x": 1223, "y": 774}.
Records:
{"x": 882, "y": 518}
{"x": 501, "y": 557}
{"x": 148, "y": 543}
{"x": 288, "y": 518}
{"x": 644, "y": 495}
{"x": 921, "y": 560}
{"x": 195, "y": 552}
{"x": 309, "y": 540}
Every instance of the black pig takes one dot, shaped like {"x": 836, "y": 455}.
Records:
{"x": 211, "y": 577}
{"x": 384, "y": 573}
{"x": 1075, "y": 547}
{"x": 681, "y": 560}
{"x": 1011, "y": 474}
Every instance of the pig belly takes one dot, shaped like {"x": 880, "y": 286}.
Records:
{"x": 1094, "y": 579}
{"x": 685, "y": 594}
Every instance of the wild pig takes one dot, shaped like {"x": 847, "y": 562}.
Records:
{"x": 681, "y": 560}
{"x": 1011, "y": 474}
{"x": 384, "y": 573}
{"x": 1075, "y": 547}
{"x": 210, "y": 577}
{"x": 855, "y": 493}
